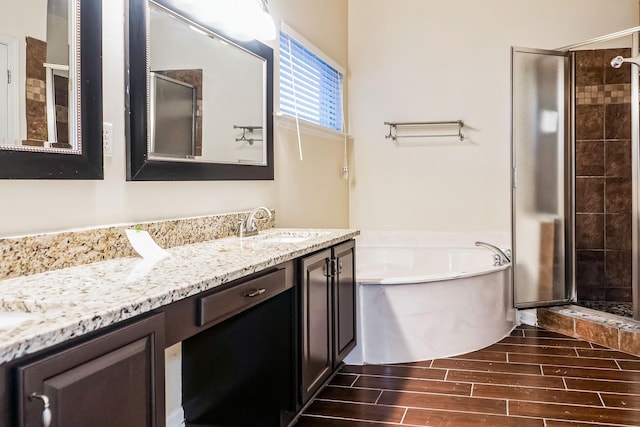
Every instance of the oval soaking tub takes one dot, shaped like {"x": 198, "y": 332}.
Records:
{"x": 427, "y": 295}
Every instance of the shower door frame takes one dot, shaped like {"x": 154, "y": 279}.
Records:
{"x": 565, "y": 171}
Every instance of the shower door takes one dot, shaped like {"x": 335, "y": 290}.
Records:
{"x": 542, "y": 223}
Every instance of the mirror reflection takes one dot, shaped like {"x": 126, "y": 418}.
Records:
{"x": 207, "y": 96}
{"x": 37, "y": 85}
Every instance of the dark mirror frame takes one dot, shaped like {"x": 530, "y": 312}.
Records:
{"x": 139, "y": 166}
{"x": 15, "y": 164}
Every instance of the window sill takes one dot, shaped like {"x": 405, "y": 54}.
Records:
{"x": 285, "y": 121}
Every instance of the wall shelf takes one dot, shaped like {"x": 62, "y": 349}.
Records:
{"x": 427, "y": 130}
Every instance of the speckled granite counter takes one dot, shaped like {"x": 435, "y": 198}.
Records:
{"x": 68, "y": 303}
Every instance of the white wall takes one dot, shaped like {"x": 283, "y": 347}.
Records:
{"x": 426, "y": 60}
{"x": 30, "y": 206}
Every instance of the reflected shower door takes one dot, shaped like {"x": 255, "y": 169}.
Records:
{"x": 541, "y": 217}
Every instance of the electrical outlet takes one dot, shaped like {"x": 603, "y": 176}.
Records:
{"x": 107, "y": 139}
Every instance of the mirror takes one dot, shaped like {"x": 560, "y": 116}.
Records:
{"x": 51, "y": 89}
{"x": 200, "y": 102}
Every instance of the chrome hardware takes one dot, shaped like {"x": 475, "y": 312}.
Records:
{"x": 332, "y": 268}
{"x": 501, "y": 257}
{"x": 248, "y": 227}
{"x": 46, "y": 412}
{"x": 250, "y": 130}
{"x": 393, "y": 134}
{"x": 255, "y": 292}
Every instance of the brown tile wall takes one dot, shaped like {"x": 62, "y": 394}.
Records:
{"x": 603, "y": 177}
{"x": 36, "y": 95}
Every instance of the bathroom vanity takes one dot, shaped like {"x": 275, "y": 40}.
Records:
{"x": 264, "y": 322}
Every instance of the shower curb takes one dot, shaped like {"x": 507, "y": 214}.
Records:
{"x": 608, "y": 330}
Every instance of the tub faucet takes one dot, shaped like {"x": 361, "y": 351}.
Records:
{"x": 501, "y": 257}
{"x": 248, "y": 227}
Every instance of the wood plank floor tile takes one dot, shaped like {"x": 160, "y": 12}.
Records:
{"x": 542, "y": 359}
{"x": 603, "y": 386}
{"x": 527, "y": 349}
{"x": 621, "y": 417}
{"x": 471, "y": 365}
{"x": 432, "y": 418}
{"x": 343, "y": 379}
{"x": 539, "y": 378}
{"x": 396, "y": 371}
{"x": 546, "y": 342}
{"x": 541, "y": 333}
{"x": 421, "y": 364}
{"x": 606, "y": 353}
{"x": 629, "y": 365}
{"x": 556, "y": 423}
{"x": 493, "y": 356}
{"x": 506, "y": 379}
{"x": 350, "y": 394}
{"x": 448, "y": 403}
{"x": 407, "y": 384}
{"x": 310, "y": 421}
{"x": 605, "y": 374}
{"x": 536, "y": 394}
{"x": 621, "y": 401}
{"x": 357, "y": 411}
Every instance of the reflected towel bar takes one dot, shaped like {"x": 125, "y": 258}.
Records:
{"x": 393, "y": 128}
{"x": 248, "y": 129}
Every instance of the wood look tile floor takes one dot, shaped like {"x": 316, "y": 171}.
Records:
{"x": 532, "y": 378}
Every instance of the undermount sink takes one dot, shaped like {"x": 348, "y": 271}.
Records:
{"x": 11, "y": 319}
{"x": 287, "y": 236}
{"x": 287, "y": 239}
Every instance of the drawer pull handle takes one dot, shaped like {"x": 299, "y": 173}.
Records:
{"x": 46, "y": 412}
{"x": 255, "y": 293}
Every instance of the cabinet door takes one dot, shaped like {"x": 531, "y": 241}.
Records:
{"x": 316, "y": 322}
{"x": 114, "y": 380}
{"x": 344, "y": 300}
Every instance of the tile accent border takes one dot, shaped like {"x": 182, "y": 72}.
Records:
{"x": 22, "y": 256}
{"x": 601, "y": 328}
{"x": 619, "y": 93}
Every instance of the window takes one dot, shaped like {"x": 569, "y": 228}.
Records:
{"x": 310, "y": 88}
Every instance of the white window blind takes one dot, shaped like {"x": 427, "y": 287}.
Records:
{"x": 310, "y": 88}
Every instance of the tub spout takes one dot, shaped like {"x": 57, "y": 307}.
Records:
{"x": 501, "y": 257}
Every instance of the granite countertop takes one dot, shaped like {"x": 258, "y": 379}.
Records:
{"x": 63, "y": 304}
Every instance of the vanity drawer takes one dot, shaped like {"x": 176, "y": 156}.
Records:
{"x": 224, "y": 304}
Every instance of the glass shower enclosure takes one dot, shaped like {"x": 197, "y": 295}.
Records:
{"x": 575, "y": 175}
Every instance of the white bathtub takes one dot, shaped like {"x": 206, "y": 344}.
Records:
{"x": 428, "y": 295}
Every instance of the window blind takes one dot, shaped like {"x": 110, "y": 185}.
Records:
{"x": 310, "y": 88}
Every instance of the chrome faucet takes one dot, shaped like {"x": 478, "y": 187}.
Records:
{"x": 248, "y": 227}
{"x": 500, "y": 257}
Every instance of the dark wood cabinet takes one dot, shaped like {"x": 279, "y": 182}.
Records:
{"x": 255, "y": 350}
{"x": 344, "y": 302}
{"x": 316, "y": 322}
{"x": 327, "y": 314}
{"x": 116, "y": 379}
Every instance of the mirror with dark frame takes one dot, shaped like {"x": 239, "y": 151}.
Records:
{"x": 199, "y": 103}
{"x": 51, "y": 89}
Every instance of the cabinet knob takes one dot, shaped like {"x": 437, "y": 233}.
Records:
{"x": 46, "y": 412}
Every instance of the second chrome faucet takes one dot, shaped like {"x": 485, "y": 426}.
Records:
{"x": 248, "y": 226}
